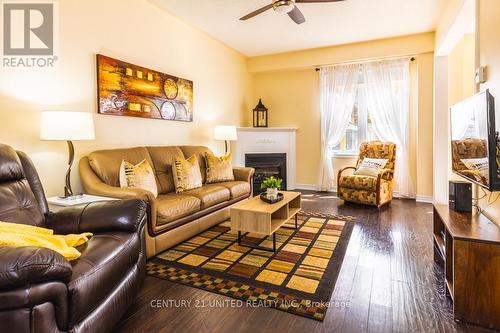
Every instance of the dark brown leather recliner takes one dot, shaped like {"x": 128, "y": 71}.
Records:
{"x": 40, "y": 291}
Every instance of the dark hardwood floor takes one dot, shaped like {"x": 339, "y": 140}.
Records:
{"x": 388, "y": 283}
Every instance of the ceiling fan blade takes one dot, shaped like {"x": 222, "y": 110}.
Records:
{"x": 297, "y": 16}
{"x": 257, "y": 12}
{"x": 316, "y": 1}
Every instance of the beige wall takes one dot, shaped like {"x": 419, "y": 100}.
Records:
{"x": 390, "y": 47}
{"x": 455, "y": 21}
{"x": 138, "y": 32}
{"x": 424, "y": 151}
{"x": 448, "y": 17}
{"x": 289, "y": 87}
{"x": 461, "y": 64}
{"x": 489, "y": 56}
{"x": 461, "y": 68}
{"x": 461, "y": 83}
{"x": 293, "y": 100}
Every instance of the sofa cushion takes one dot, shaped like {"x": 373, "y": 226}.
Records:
{"x": 358, "y": 182}
{"x": 106, "y": 163}
{"x": 371, "y": 166}
{"x": 173, "y": 206}
{"x": 210, "y": 194}
{"x": 378, "y": 149}
{"x": 163, "y": 158}
{"x": 105, "y": 260}
{"x": 139, "y": 176}
{"x": 199, "y": 152}
{"x": 237, "y": 188}
{"x": 219, "y": 169}
{"x": 186, "y": 174}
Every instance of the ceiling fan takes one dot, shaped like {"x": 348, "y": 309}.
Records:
{"x": 286, "y": 6}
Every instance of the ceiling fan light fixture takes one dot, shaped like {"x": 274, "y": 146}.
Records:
{"x": 283, "y": 6}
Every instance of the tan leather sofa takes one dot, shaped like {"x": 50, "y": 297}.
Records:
{"x": 172, "y": 217}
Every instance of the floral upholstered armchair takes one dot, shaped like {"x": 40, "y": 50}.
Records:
{"x": 375, "y": 191}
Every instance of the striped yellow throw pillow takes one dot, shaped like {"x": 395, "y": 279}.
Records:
{"x": 138, "y": 176}
{"x": 219, "y": 169}
{"x": 186, "y": 174}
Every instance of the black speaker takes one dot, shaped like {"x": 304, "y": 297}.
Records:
{"x": 460, "y": 196}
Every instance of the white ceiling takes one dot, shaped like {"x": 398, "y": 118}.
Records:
{"x": 327, "y": 23}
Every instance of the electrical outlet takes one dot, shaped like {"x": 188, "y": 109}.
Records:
{"x": 480, "y": 75}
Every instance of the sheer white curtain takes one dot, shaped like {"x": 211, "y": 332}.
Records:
{"x": 480, "y": 118}
{"x": 387, "y": 93}
{"x": 461, "y": 120}
{"x": 338, "y": 86}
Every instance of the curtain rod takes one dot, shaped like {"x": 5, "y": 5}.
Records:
{"x": 317, "y": 68}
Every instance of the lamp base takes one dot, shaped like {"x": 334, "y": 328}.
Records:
{"x": 71, "y": 197}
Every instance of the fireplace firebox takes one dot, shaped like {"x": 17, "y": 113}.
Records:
{"x": 266, "y": 165}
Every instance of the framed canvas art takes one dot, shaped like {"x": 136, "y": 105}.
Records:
{"x": 124, "y": 89}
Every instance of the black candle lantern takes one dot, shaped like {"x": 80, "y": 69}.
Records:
{"x": 260, "y": 115}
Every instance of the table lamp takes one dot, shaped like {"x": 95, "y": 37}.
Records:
{"x": 225, "y": 133}
{"x": 67, "y": 126}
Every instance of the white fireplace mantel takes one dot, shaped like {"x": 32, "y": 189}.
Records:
{"x": 267, "y": 129}
{"x": 258, "y": 140}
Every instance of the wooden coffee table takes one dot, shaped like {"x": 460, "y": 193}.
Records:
{"x": 257, "y": 216}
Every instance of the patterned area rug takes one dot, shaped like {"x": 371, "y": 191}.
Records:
{"x": 299, "y": 278}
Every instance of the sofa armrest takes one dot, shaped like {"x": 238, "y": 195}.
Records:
{"x": 105, "y": 190}
{"x": 95, "y": 186}
{"x": 244, "y": 174}
{"x": 123, "y": 215}
{"x": 92, "y": 184}
{"x": 22, "y": 266}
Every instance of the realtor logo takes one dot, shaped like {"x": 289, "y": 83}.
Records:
{"x": 29, "y": 29}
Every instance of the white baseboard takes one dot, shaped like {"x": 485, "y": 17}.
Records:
{"x": 424, "y": 198}
{"x": 417, "y": 198}
{"x": 312, "y": 187}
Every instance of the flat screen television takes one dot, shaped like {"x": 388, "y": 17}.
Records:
{"x": 475, "y": 141}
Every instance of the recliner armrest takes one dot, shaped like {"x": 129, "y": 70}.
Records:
{"x": 21, "y": 266}
{"x": 339, "y": 174}
{"x": 120, "y": 215}
{"x": 386, "y": 174}
{"x": 344, "y": 169}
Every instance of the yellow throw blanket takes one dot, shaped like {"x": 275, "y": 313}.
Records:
{"x": 17, "y": 235}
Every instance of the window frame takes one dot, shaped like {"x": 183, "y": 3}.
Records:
{"x": 362, "y": 125}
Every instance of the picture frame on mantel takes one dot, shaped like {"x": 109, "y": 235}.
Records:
{"x": 125, "y": 89}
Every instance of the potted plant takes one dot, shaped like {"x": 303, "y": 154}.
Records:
{"x": 272, "y": 185}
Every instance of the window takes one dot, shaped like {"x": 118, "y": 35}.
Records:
{"x": 359, "y": 130}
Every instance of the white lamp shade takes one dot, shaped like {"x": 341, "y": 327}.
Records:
{"x": 225, "y": 133}
{"x": 67, "y": 125}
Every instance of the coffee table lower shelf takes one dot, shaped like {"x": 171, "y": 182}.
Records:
{"x": 264, "y": 248}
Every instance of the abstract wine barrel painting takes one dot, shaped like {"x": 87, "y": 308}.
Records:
{"x": 125, "y": 89}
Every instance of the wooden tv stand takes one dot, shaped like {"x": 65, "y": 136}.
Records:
{"x": 468, "y": 246}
